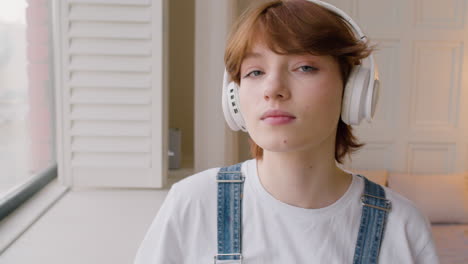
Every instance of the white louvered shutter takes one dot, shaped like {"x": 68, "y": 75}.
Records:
{"x": 111, "y": 93}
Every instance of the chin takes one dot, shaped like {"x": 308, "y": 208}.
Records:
{"x": 278, "y": 145}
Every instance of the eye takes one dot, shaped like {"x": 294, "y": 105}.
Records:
{"x": 307, "y": 68}
{"x": 253, "y": 74}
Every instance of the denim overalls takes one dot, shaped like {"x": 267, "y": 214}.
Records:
{"x": 229, "y": 214}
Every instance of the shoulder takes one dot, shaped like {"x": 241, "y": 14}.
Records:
{"x": 201, "y": 182}
{"x": 401, "y": 206}
{"x": 183, "y": 209}
{"x": 198, "y": 188}
{"x": 196, "y": 185}
{"x": 202, "y": 177}
{"x": 404, "y": 210}
{"x": 408, "y": 225}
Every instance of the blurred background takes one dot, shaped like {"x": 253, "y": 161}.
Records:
{"x": 104, "y": 104}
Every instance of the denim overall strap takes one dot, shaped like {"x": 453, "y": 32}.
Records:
{"x": 373, "y": 219}
{"x": 230, "y": 190}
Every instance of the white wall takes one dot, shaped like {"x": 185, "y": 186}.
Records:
{"x": 215, "y": 144}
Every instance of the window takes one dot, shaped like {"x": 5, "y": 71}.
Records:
{"x": 26, "y": 98}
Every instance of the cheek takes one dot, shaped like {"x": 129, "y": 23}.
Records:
{"x": 248, "y": 100}
{"x": 244, "y": 102}
{"x": 324, "y": 100}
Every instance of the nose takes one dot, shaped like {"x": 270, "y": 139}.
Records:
{"x": 276, "y": 87}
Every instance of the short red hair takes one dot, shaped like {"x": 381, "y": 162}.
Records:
{"x": 293, "y": 27}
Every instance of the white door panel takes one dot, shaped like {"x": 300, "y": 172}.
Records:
{"x": 421, "y": 121}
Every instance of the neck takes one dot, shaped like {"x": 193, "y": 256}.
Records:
{"x": 303, "y": 179}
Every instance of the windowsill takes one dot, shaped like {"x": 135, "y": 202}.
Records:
{"x": 18, "y": 222}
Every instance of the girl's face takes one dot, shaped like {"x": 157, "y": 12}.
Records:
{"x": 307, "y": 87}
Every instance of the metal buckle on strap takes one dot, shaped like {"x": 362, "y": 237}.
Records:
{"x": 230, "y": 180}
{"x": 230, "y": 260}
{"x": 230, "y": 172}
{"x": 389, "y": 204}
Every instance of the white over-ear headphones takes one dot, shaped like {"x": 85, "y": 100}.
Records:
{"x": 360, "y": 94}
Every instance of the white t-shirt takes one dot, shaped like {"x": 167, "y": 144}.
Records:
{"x": 273, "y": 232}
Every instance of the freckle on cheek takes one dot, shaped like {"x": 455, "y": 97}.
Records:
{"x": 285, "y": 141}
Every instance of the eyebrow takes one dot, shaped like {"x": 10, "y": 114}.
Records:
{"x": 252, "y": 55}
{"x": 259, "y": 55}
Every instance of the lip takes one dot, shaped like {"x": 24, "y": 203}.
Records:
{"x": 276, "y": 113}
{"x": 281, "y": 120}
{"x": 277, "y": 117}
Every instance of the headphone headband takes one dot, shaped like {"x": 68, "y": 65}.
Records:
{"x": 357, "y": 31}
{"x": 341, "y": 13}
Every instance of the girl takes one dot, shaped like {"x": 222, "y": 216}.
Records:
{"x": 293, "y": 68}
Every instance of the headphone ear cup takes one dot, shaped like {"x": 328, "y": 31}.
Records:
{"x": 373, "y": 96}
{"x": 227, "y": 112}
{"x": 354, "y": 99}
{"x": 347, "y": 93}
{"x": 231, "y": 106}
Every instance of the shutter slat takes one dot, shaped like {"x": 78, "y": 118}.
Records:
{"x": 110, "y": 63}
{"x": 110, "y": 128}
{"x": 103, "y": 112}
{"x": 113, "y": 144}
{"x": 110, "y": 47}
{"x": 110, "y": 30}
{"x": 110, "y": 80}
{"x": 105, "y": 13}
{"x": 110, "y": 96}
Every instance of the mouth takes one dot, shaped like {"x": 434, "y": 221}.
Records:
{"x": 276, "y": 113}
{"x": 278, "y": 120}
{"x": 277, "y": 117}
